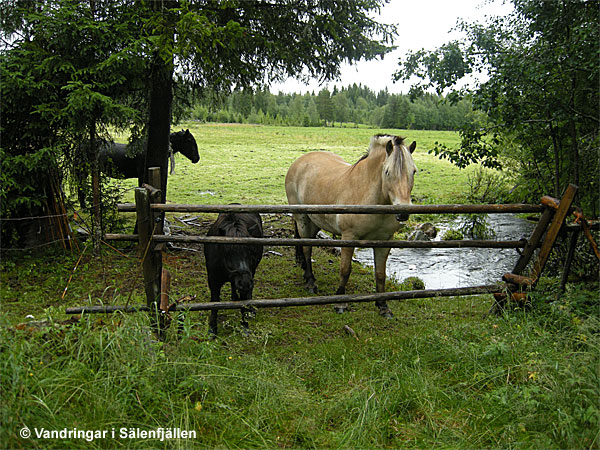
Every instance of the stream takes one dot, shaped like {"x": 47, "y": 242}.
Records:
{"x": 456, "y": 267}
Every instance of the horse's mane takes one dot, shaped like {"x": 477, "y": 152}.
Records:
{"x": 382, "y": 140}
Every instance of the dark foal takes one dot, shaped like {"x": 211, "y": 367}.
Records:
{"x": 233, "y": 263}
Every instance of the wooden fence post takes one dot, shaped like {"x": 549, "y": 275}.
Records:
{"x": 548, "y": 227}
{"x": 162, "y": 276}
{"x": 150, "y": 224}
{"x": 145, "y": 231}
{"x": 560, "y": 215}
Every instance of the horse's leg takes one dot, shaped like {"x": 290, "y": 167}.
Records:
{"x": 345, "y": 270}
{"x": 299, "y": 252}
{"x": 307, "y": 229}
{"x": 215, "y": 296}
{"x": 243, "y": 311}
{"x": 309, "y": 278}
{"x": 380, "y": 255}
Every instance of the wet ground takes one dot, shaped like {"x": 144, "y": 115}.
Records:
{"x": 448, "y": 268}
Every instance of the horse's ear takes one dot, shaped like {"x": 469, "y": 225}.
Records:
{"x": 389, "y": 148}
{"x": 412, "y": 146}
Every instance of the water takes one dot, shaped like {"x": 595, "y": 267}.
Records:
{"x": 457, "y": 267}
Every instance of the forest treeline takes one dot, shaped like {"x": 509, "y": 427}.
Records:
{"x": 355, "y": 104}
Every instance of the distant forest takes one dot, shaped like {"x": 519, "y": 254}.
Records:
{"x": 355, "y": 104}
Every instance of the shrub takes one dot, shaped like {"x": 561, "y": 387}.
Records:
{"x": 412, "y": 284}
{"x": 452, "y": 235}
{"x": 476, "y": 226}
{"x": 487, "y": 186}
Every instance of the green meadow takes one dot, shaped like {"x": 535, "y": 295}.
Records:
{"x": 440, "y": 374}
{"x": 247, "y": 163}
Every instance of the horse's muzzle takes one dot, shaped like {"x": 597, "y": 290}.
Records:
{"x": 402, "y": 217}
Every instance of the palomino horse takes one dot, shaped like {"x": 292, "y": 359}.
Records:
{"x": 384, "y": 176}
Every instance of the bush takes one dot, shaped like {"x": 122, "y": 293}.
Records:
{"x": 476, "y": 226}
{"x": 487, "y": 186}
{"x": 412, "y": 284}
{"x": 452, "y": 235}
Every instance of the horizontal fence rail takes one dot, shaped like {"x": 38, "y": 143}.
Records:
{"x": 323, "y": 242}
{"x": 301, "y": 301}
{"x": 343, "y": 209}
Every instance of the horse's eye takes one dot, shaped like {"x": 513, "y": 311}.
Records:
{"x": 387, "y": 172}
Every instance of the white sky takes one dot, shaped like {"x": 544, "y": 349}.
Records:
{"x": 422, "y": 24}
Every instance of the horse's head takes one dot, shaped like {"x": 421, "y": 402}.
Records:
{"x": 184, "y": 142}
{"x": 398, "y": 173}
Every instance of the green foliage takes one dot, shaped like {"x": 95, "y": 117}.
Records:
{"x": 356, "y": 104}
{"x": 71, "y": 71}
{"x": 476, "y": 226}
{"x": 453, "y": 235}
{"x": 412, "y": 284}
{"x": 487, "y": 186}
{"x": 540, "y": 95}
{"x": 66, "y": 78}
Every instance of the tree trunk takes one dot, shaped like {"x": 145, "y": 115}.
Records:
{"x": 159, "y": 124}
{"x": 573, "y": 133}
{"x": 556, "y": 147}
{"x": 96, "y": 207}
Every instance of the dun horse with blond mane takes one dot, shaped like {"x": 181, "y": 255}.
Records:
{"x": 384, "y": 176}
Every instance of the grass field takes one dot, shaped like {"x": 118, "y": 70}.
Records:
{"x": 247, "y": 163}
{"x": 440, "y": 374}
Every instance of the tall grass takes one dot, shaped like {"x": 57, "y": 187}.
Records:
{"x": 436, "y": 377}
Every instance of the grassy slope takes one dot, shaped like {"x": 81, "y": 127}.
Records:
{"x": 440, "y": 374}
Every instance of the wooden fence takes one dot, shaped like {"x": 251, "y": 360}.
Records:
{"x": 151, "y": 240}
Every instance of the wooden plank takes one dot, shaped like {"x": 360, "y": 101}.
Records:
{"x": 588, "y": 234}
{"x": 165, "y": 287}
{"x": 303, "y": 301}
{"x": 149, "y": 262}
{"x": 276, "y": 242}
{"x": 155, "y": 197}
{"x": 519, "y": 280}
{"x": 569, "y": 260}
{"x": 157, "y": 320}
{"x": 552, "y": 233}
{"x": 550, "y": 202}
{"x": 345, "y": 209}
{"x": 534, "y": 241}
{"x": 332, "y": 242}
{"x": 520, "y": 297}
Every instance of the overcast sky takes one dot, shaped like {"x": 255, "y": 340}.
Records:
{"x": 422, "y": 24}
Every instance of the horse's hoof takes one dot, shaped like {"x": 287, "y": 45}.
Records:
{"x": 245, "y": 331}
{"x": 312, "y": 288}
{"x": 386, "y": 313}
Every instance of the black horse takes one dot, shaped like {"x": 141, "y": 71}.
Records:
{"x": 117, "y": 161}
{"x": 233, "y": 263}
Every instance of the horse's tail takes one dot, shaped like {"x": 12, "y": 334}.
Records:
{"x": 299, "y": 252}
